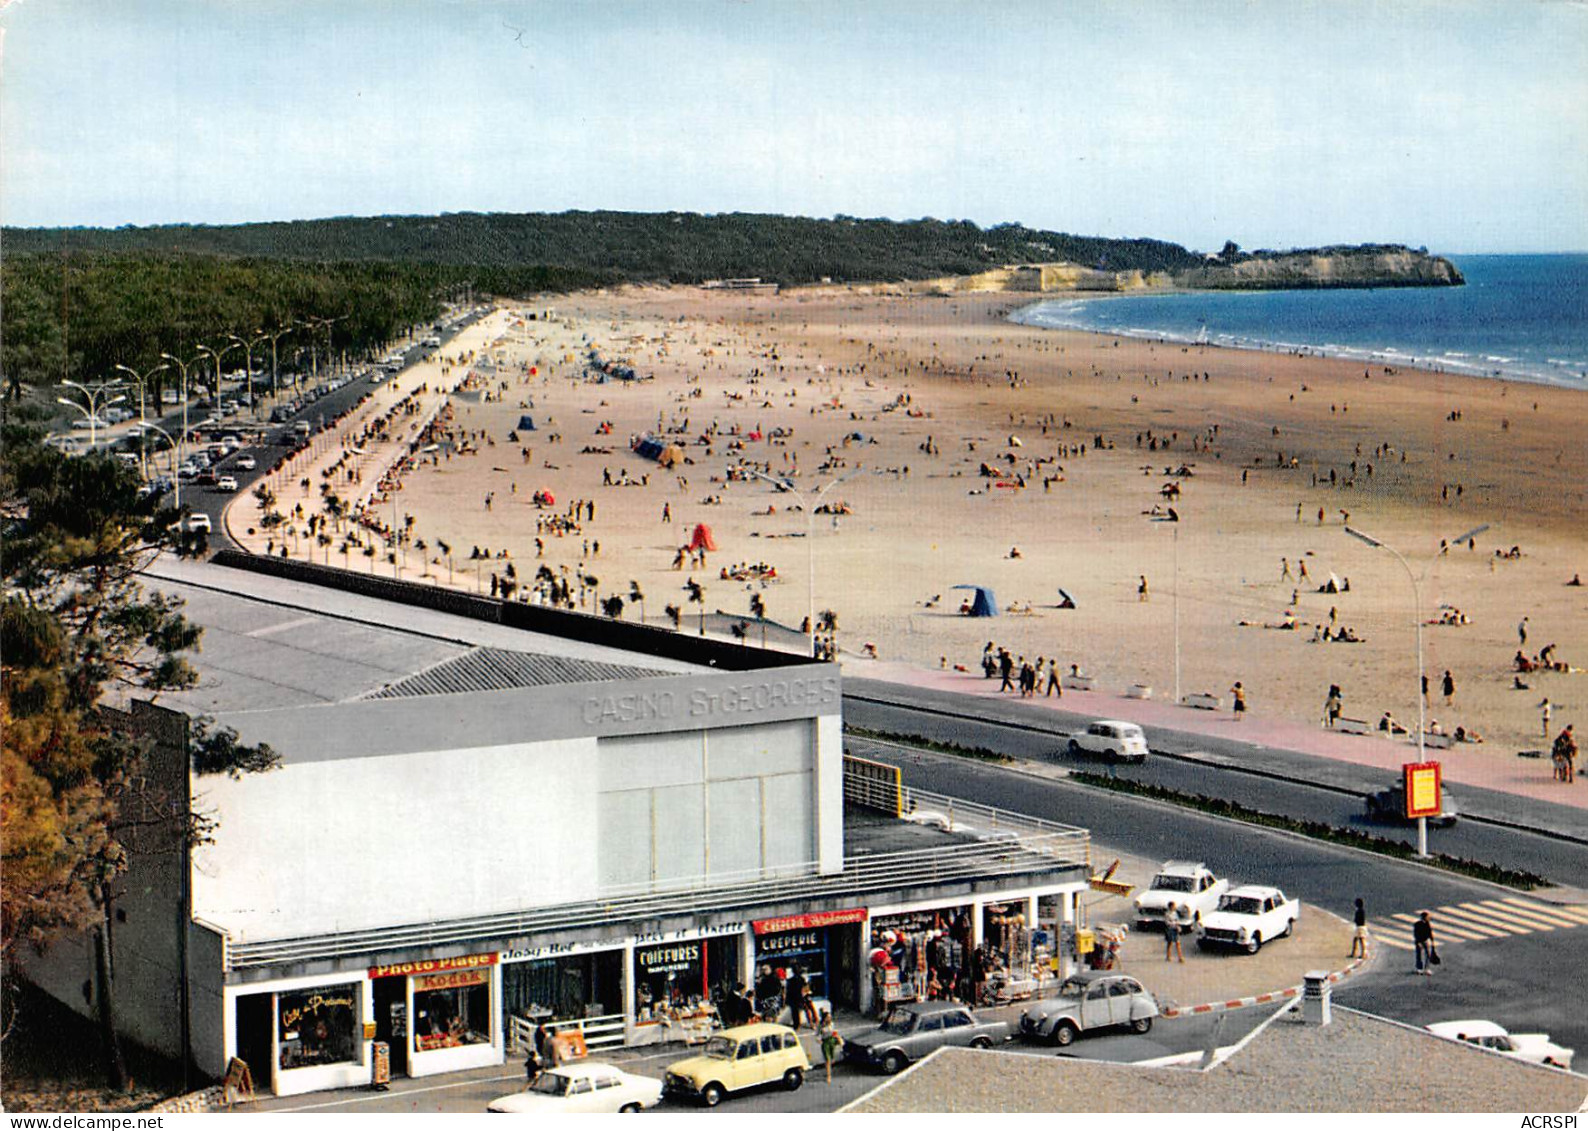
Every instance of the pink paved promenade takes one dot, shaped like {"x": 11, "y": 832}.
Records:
{"x": 1482, "y": 765}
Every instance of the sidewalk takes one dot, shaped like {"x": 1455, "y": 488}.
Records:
{"x": 1493, "y": 782}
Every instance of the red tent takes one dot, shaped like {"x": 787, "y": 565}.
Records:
{"x": 702, "y": 539}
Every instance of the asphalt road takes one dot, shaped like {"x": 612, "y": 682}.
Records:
{"x": 1221, "y": 769}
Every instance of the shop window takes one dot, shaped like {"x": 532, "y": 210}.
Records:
{"x": 317, "y": 1026}
{"x": 452, "y": 1009}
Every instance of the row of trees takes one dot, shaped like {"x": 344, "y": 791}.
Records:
{"x": 79, "y": 629}
{"x": 644, "y": 247}
{"x": 76, "y": 315}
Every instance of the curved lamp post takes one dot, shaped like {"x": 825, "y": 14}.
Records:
{"x": 787, "y": 484}
{"x": 1417, "y": 620}
{"x": 93, "y": 395}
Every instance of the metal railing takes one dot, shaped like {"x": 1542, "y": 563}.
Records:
{"x": 997, "y": 844}
{"x": 607, "y": 1031}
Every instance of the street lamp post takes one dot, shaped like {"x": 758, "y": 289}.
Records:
{"x": 217, "y": 355}
{"x": 142, "y": 381}
{"x": 176, "y": 480}
{"x": 182, "y": 367}
{"x": 787, "y": 484}
{"x": 274, "y": 336}
{"x": 95, "y": 405}
{"x": 248, "y": 359}
{"x": 1417, "y": 620}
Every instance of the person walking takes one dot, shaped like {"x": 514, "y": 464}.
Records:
{"x": 1359, "y": 935}
{"x": 1054, "y": 686}
{"x": 794, "y": 994}
{"x": 1564, "y": 754}
{"x": 1544, "y": 711}
{"x": 1141, "y": 589}
{"x": 1423, "y": 945}
{"x": 827, "y": 1033}
{"x": 1171, "y": 933}
{"x": 1239, "y": 706}
{"x": 1333, "y": 706}
{"x": 1006, "y": 666}
{"x": 1521, "y": 632}
{"x": 1447, "y": 687}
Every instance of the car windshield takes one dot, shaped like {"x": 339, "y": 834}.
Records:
{"x": 719, "y": 1047}
{"x": 1073, "y": 987}
{"x": 1239, "y": 905}
{"x": 550, "y": 1084}
{"x": 899, "y": 1021}
{"x": 1165, "y": 882}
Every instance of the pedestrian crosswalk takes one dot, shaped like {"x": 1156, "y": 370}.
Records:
{"x": 1484, "y": 920}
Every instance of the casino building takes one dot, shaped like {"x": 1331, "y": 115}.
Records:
{"x": 488, "y": 816}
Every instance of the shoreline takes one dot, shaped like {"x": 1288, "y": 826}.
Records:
{"x": 1449, "y": 364}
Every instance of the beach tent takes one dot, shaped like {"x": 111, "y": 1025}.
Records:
{"x": 984, "y": 604}
{"x": 526, "y": 423}
{"x": 648, "y": 448}
{"x": 1065, "y": 600}
{"x": 1333, "y": 585}
{"x": 671, "y": 456}
{"x": 702, "y": 539}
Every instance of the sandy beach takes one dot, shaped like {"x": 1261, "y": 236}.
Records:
{"x": 1091, "y": 441}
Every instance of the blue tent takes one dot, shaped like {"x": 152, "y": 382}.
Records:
{"x": 526, "y": 423}
{"x": 984, "y": 604}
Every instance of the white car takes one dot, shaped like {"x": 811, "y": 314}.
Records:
{"x": 1111, "y": 739}
{"x": 246, "y": 463}
{"x": 197, "y": 522}
{"x": 1249, "y": 916}
{"x": 1189, "y": 885}
{"x": 582, "y": 1087}
{"x": 1536, "y": 1048}
{"x": 226, "y": 483}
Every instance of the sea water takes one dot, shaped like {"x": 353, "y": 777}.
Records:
{"x": 1519, "y": 317}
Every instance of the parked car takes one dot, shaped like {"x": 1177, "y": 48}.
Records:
{"x": 1248, "y": 917}
{"x": 1088, "y": 1002}
{"x": 226, "y": 483}
{"x": 1188, "y": 884}
{"x": 585, "y": 1087}
{"x": 739, "y": 1058}
{"x": 912, "y": 1031}
{"x": 197, "y": 522}
{"x": 1390, "y": 805}
{"x": 1111, "y": 739}
{"x": 1535, "y": 1048}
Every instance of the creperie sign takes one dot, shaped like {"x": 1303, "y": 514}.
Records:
{"x": 1422, "y": 789}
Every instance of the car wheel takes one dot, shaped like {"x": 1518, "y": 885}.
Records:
{"x": 894, "y": 1063}
{"x": 1075, "y": 747}
{"x": 711, "y": 1094}
{"x": 1064, "y": 1033}
{"x": 981, "y": 1043}
{"x": 1290, "y": 928}
{"x": 1254, "y": 944}
{"x": 1141, "y": 1025}
{"x": 628, "y": 1109}
{"x": 792, "y": 1079}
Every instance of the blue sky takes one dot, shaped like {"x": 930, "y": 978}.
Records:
{"x": 1462, "y": 126}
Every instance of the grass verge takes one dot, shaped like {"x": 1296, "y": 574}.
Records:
{"x": 1318, "y": 830}
{"x": 979, "y": 753}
